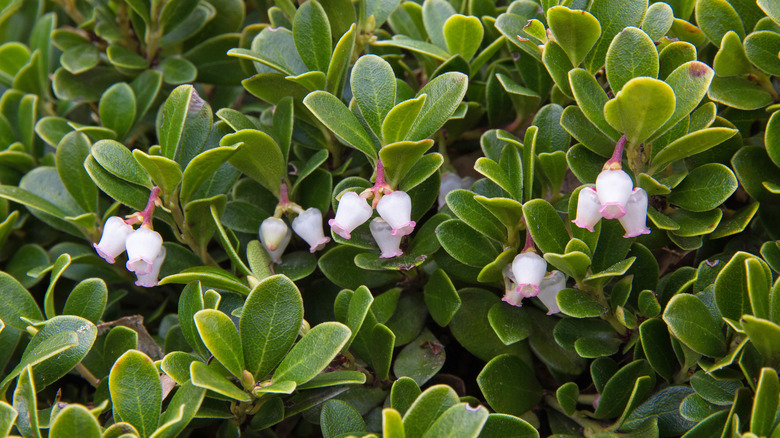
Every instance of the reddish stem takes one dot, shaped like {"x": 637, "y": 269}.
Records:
{"x": 380, "y": 175}
{"x": 283, "y": 197}
{"x": 148, "y": 212}
{"x": 617, "y": 156}
{"x": 529, "y": 241}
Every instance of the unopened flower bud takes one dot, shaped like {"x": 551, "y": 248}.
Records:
{"x": 112, "y": 242}
{"x": 529, "y": 269}
{"x": 389, "y": 245}
{"x": 613, "y": 188}
{"x": 142, "y": 246}
{"x": 588, "y": 209}
{"x": 396, "y": 210}
{"x": 352, "y": 212}
{"x": 308, "y": 225}
{"x": 635, "y": 219}
{"x": 151, "y": 279}
{"x": 548, "y": 291}
{"x": 275, "y": 236}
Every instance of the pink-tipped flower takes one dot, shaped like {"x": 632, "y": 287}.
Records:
{"x": 588, "y": 209}
{"x": 383, "y": 234}
{"x": 112, "y": 242}
{"x": 308, "y": 225}
{"x": 529, "y": 269}
{"x": 275, "y": 236}
{"x": 352, "y": 212}
{"x": 613, "y": 188}
{"x": 396, "y": 210}
{"x": 548, "y": 291}
{"x": 142, "y": 246}
{"x": 151, "y": 279}
{"x": 635, "y": 219}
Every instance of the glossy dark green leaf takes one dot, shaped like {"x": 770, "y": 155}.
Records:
{"x": 117, "y": 108}
{"x": 258, "y": 156}
{"x": 545, "y": 225}
{"x": 507, "y": 371}
{"x": 220, "y": 336}
{"x": 510, "y": 323}
{"x": 465, "y": 244}
{"x": 339, "y": 119}
{"x": 186, "y": 124}
{"x": 312, "y": 353}
{"x": 692, "y": 324}
{"x": 136, "y": 391}
{"x": 614, "y": 17}
{"x": 441, "y": 298}
{"x": 429, "y": 406}
{"x": 445, "y": 93}
{"x": 618, "y": 390}
{"x": 311, "y": 32}
{"x": 421, "y": 359}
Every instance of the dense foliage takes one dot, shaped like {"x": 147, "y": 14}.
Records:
{"x": 336, "y": 218}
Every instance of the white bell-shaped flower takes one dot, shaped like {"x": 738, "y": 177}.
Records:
{"x": 308, "y": 225}
{"x": 548, "y": 291}
{"x": 529, "y": 269}
{"x": 396, "y": 209}
{"x": 588, "y": 209}
{"x": 449, "y": 182}
{"x": 352, "y": 212}
{"x": 142, "y": 246}
{"x": 613, "y": 188}
{"x": 151, "y": 279}
{"x": 383, "y": 234}
{"x": 275, "y": 236}
{"x": 511, "y": 295}
{"x": 635, "y": 219}
{"x": 112, "y": 242}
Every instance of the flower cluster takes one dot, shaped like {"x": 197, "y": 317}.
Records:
{"x": 527, "y": 277}
{"x": 394, "y": 221}
{"x": 613, "y": 198}
{"x": 144, "y": 246}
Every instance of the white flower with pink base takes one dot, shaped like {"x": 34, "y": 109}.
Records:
{"x": 143, "y": 247}
{"x": 396, "y": 210}
{"x": 389, "y": 245}
{"x": 308, "y": 225}
{"x": 351, "y": 213}
{"x": 112, "y": 242}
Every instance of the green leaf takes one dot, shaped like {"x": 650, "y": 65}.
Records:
{"x": 258, "y": 156}
{"x": 25, "y": 404}
{"x": 269, "y": 324}
{"x": 618, "y": 390}
{"x": 465, "y": 244}
{"x": 43, "y": 349}
{"x": 591, "y": 99}
{"x": 340, "y": 120}
{"x": 739, "y": 92}
{"x": 658, "y": 20}
{"x": 87, "y": 300}
{"x": 180, "y": 411}
{"x": 312, "y": 353}
{"x": 220, "y": 336}
{"x": 509, "y": 385}
{"x": 201, "y": 168}
{"x": 340, "y": 61}
{"x": 691, "y": 323}
{"x": 731, "y": 287}
{"x": 18, "y": 303}
{"x": 579, "y": 304}
{"x": 445, "y": 92}
{"x": 359, "y": 306}
{"x": 584, "y": 131}
{"x": 136, "y": 393}
{"x": 508, "y": 211}
{"x": 641, "y": 107}
{"x": 731, "y": 59}
{"x": 689, "y": 82}
{"x": 771, "y": 9}
{"x": 422, "y": 47}
{"x": 657, "y": 347}
{"x": 311, "y": 32}
{"x": 8, "y": 416}
{"x": 72, "y": 150}
{"x": 165, "y": 172}
{"x": 399, "y": 158}
{"x": 690, "y": 144}
{"x": 463, "y": 35}
{"x": 186, "y": 124}
{"x": 510, "y": 323}
{"x": 772, "y": 138}
{"x": 545, "y": 226}
{"x": 459, "y": 421}
{"x": 765, "y": 403}
{"x": 435, "y": 13}
{"x": 567, "y": 395}
{"x": 557, "y": 62}
{"x": 75, "y": 420}
{"x": 177, "y": 71}
{"x": 754, "y": 170}
{"x": 574, "y": 263}
{"x": 373, "y": 85}
{"x": 338, "y": 418}
{"x": 403, "y": 394}
{"x": 613, "y": 17}
{"x": 631, "y": 54}
{"x": 705, "y": 188}
{"x": 400, "y": 118}
{"x": 717, "y": 17}
{"x": 421, "y": 359}
{"x": 117, "y": 108}
{"x": 472, "y": 212}
{"x": 764, "y": 336}
{"x": 206, "y": 377}
{"x": 441, "y": 298}
{"x": 429, "y": 406}
{"x": 575, "y": 30}
{"x": 115, "y": 158}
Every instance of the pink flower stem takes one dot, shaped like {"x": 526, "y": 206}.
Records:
{"x": 148, "y": 212}
{"x": 283, "y": 197}
{"x": 529, "y": 241}
{"x": 614, "y": 163}
{"x": 380, "y": 176}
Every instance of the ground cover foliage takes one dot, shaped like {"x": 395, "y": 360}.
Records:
{"x": 236, "y": 151}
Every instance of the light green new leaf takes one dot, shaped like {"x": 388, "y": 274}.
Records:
{"x": 575, "y": 30}
{"x": 731, "y": 59}
{"x": 658, "y": 20}
{"x": 136, "y": 392}
{"x": 717, "y": 17}
{"x": 771, "y": 8}
{"x": 74, "y": 420}
{"x": 165, "y": 172}
{"x": 631, "y": 54}
{"x": 463, "y": 35}
{"x": 765, "y": 336}
{"x": 459, "y": 421}
{"x": 640, "y": 108}
{"x": 399, "y": 158}
{"x": 762, "y": 48}
{"x": 434, "y": 14}
{"x": 204, "y": 376}
{"x": 221, "y": 338}
{"x": 400, "y": 119}
{"x": 339, "y": 119}
{"x": 312, "y": 353}
{"x": 689, "y": 82}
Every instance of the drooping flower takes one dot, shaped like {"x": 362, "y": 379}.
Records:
{"x": 142, "y": 246}
{"x": 396, "y": 210}
{"x": 389, "y": 245}
{"x": 511, "y": 295}
{"x": 112, "y": 242}
{"x": 352, "y": 212}
{"x": 553, "y": 283}
{"x": 449, "y": 182}
{"x": 635, "y": 219}
{"x": 613, "y": 188}
{"x": 528, "y": 269}
{"x": 308, "y": 225}
{"x": 275, "y": 236}
{"x": 588, "y": 209}
{"x": 151, "y": 279}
